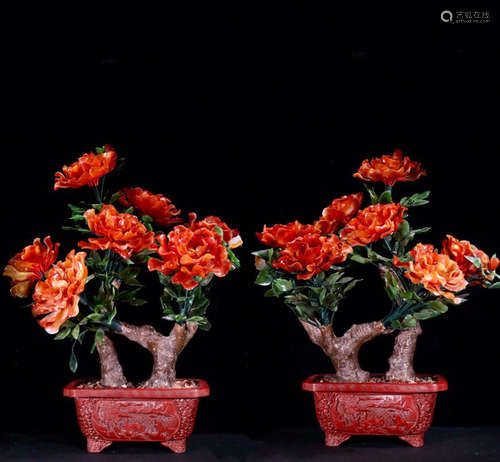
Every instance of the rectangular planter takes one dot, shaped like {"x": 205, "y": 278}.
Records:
{"x": 401, "y": 409}
{"x": 166, "y": 415}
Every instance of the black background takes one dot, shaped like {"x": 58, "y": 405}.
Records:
{"x": 258, "y": 117}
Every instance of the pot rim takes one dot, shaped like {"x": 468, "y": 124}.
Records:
{"x": 71, "y": 390}
{"x": 312, "y": 384}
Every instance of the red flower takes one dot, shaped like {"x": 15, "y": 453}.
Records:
{"x": 338, "y": 213}
{"x": 310, "y": 254}
{"x": 458, "y": 250}
{"x": 434, "y": 271}
{"x": 30, "y": 265}
{"x": 281, "y": 235}
{"x": 158, "y": 207}
{"x": 57, "y": 296}
{"x": 86, "y": 170}
{"x": 190, "y": 253}
{"x": 231, "y": 236}
{"x": 390, "y": 169}
{"x": 373, "y": 223}
{"x": 122, "y": 232}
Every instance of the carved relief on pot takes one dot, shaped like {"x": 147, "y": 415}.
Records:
{"x": 186, "y": 409}
{"x": 368, "y": 413}
{"x": 154, "y": 420}
{"x": 426, "y": 403}
{"x": 374, "y": 414}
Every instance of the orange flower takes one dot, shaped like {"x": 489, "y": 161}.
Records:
{"x": 310, "y": 254}
{"x": 338, "y": 213}
{"x": 281, "y": 235}
{"x": 123, "y": 233}
{"x": 435, "y": 271}
{"x": 373, "y": 223}
{"x": 158, "y": 207}
{"x": 458, "y": 250}
{"x": 30, "y": 265}
{"x": 390, "y": 169}
{"x": 231, "y": 236}
{"x": 189, "y": 253}
{"x": 57, "y": 296}
{"x": 86, "y": 170}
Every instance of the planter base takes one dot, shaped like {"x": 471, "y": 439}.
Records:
{"x": 165, "y": 415}
{"x": 417, "y": 441}
{"x": 374, "y": 408}
{"x": 177, "y": 446}
{"x": 336, "y": 438}
{"x": 97, "y": 444}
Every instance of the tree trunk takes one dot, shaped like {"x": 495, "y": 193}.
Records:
{"x": 111, "y": 369}
{"x": 343, "y": 351}
{"x": 165, "y": 349}
{"x": 401, "y": 360}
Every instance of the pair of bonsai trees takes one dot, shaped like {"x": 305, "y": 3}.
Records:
{"x": 311, "y": 267}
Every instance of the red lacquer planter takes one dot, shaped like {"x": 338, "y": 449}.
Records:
{"x": 401, "y": 409}
{"x": 165, "y": 415}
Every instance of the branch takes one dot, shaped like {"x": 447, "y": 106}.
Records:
{"x": 165, "y": 349}
{"x": 323, "y": 336}
{"x": 362, "y": 333}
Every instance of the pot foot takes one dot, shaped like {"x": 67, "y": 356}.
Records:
{"x": 176, "y": 446}
{"x": 335, "y": 438}
{"x": 417, "y": 441}
{"x": 95, "y": 445}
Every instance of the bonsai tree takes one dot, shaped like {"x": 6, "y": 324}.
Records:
{"x": 79, "y": 297}
{"x": 312, "y": 268}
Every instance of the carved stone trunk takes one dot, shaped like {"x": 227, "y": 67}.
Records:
{"x": 401, "y": 409}
{"x": 166, "y": 415}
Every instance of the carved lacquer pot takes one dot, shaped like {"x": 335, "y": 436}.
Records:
{"x": 165, "y": 415}
{"x": 401, "y": 409}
